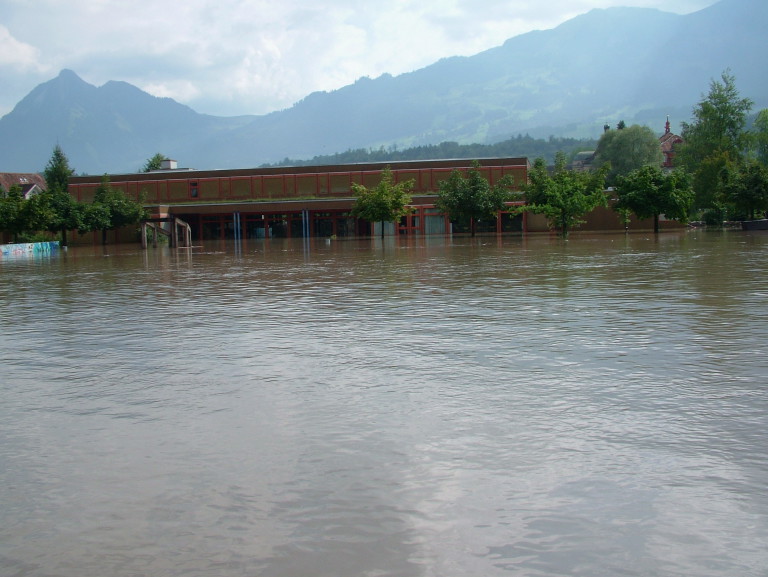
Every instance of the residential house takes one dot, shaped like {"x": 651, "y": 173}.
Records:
{"x": 30, "y": 183}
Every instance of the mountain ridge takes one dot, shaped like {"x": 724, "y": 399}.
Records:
{"x": 632, "y": 64}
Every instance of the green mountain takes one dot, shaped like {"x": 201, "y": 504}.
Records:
{"x": 631, "y": 64}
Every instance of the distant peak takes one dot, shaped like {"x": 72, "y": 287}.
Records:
{"x": 67, "y": 74}
{"x": 69, "y": 78}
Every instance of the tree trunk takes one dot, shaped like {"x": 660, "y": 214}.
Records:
{"x": 63, "y": 237}
{"x": 656, "y": 224}
{"x": 382, "y": 230}
{"x": 104, "y": 236}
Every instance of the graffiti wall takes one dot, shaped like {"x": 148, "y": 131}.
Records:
{"x": 28, "y": 248}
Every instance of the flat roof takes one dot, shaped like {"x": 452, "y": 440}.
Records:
{"x": 187, "y": 173}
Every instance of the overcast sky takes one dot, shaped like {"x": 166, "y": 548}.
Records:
{"x": 229, "y": 57}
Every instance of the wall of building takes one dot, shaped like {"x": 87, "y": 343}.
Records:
{"x": 288, "y": 184}
{"x": 291, "y": 201}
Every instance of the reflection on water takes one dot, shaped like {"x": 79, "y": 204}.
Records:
{"x": 419, "y": 407}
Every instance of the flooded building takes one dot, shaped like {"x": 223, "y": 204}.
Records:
{"x": 300, "y": 201}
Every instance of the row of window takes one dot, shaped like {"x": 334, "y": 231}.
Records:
{"x": 423, "y": 221}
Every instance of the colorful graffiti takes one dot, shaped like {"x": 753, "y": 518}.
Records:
{"x": 28, "y": 248}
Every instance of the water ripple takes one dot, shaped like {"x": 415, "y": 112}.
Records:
{"x": 435, "y": 407}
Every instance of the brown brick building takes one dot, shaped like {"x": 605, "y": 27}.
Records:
{"x": 298, "y": 201}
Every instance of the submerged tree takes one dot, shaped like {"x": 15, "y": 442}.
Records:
{"x": 649, "y": 192}
{"x": 745, "y": 189}
{"x": 471, "y": 198}
{"x": 388, "y": 201}
{"x": 564, "y": 196}
{"x": 111, "y": 209}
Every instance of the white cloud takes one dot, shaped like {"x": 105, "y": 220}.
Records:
{"x": 17, "y": 54}
{"x": 180, "y": 90}
{"x": 253, "y": 56}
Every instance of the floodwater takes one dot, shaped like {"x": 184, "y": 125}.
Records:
{"x": 419, "y": 407}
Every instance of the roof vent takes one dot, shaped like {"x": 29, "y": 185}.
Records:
{"x": 168, "y": 164}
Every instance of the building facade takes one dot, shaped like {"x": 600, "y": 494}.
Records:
{"x": 300, "y": 201}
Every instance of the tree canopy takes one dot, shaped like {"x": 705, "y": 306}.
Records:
{"x": 627, "y": 149}
{"x": 564, "y": 196}
{"x": 54, "y": 210}
{"x": 745, "y": 189}
{"x": 649, "y": 192}
{"x": 154, "y": 163}
{"x": 111, "y": 209}
{"x": 12, "y": 211}
{"x": 470, "y": 198}
{"x": 715, "y": 138}
{"x": 388, "y": 201}
{"x": 761, "y": 137}
{"x": 57, "y": 171}
{"x": 64, "y": 212}
{"x": 522, "y": 145}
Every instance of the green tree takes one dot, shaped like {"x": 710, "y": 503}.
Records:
{"x": 65, "y": 213}
{"x": 761, "y": 137}
{"x": 564, "y": 196}
{"x": 96, "y": 216}
{"x": 388, "y": 201}
{"x": 37, "y": 213}
{"x": 154, "y": 163}
{"x": 649, "y": 192}
{"x": 470, "y": 198}
{"x": 710, "y": 198}
{"x": 745, "y": 189}
{"x": 12, "y": 212}
{"x": 717, "y": 132}
{"x": 628, "y": 149}
{"x": 57, "y": 212}
{"x": 111, "y": 209}
{"x": 57, "y": 172}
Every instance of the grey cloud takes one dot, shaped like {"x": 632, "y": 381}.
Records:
{"x": 250, "y": 56}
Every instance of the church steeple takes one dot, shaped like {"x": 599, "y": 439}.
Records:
{"x": 669, "y": 140}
